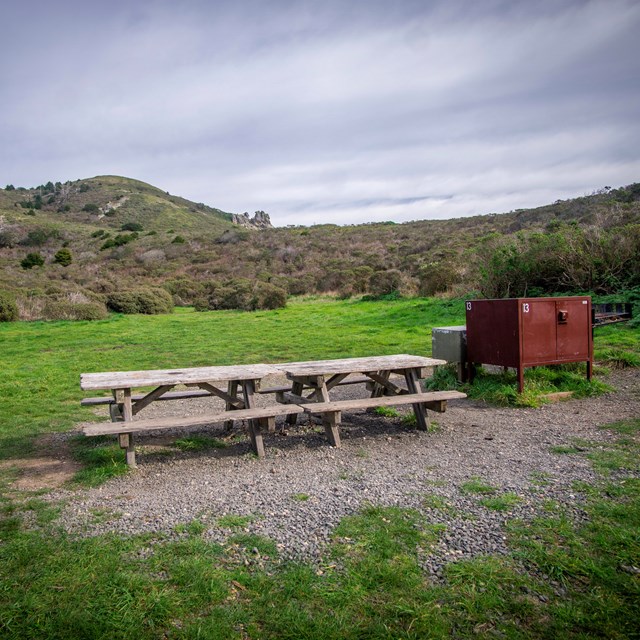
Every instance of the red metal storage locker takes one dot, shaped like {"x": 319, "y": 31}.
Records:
{"x": 526, "y": 332}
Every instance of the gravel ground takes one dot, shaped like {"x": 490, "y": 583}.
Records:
{"x": 301, "y": 490}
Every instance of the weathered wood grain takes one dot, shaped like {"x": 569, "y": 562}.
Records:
{"x": 383, "y": 401}
{"x": 357, "y": 365}
{"x": 159, "y": 377}
{"x": 150, "y": 424}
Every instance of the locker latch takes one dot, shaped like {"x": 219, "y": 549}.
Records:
{"x": 562, "y": 316}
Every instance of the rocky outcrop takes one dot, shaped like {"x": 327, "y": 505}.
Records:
{"x": 259, "y": 221}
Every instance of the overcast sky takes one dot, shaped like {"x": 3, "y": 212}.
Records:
{"x": 328, "y": 111}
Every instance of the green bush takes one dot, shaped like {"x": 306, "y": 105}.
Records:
{"x": 244, "y": 295}
{"x": 67, "y": 310}
{"x": 149, "y": 301}
{"x": 32, "y": 260}
{"x": 131, "y": 226}
{"x": 178, "y": 240}
{"x": 119, "y": 240}
{"x": 39, "y": 236}
{"x": 91, "y": 208}
{"x": 8, "y": 307}
{"x": 63, "y": 257}
{"x": 269, "y": 296}
{"x": 385, "y": 282}
{"x": 186, "y": 291}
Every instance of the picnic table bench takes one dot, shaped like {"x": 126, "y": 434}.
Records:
{"x": 308, "y": 391}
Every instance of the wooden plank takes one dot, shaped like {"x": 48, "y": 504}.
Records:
{"x": 230, "y": 398}
{"x": 330, "y": 421}
{"x": 248, "y": 391}
{"x": 287, "y": 387}
{"x": 149, "y": 398}
{"x": 334, "y": 381}
{"x": 413, "y": 385}
{"x": 127, "y": 414}
{"x": 291, "y": 398}
{"x": 383, "y": 383}
{"x": 151, "y": 424}
{"x": 158, "y": 377}
{"x": 171, "y": 395}
{"x": 296, "y": 390}
{"x": 357, "y": 365}
{"x": 232, "y": 389}
{"x": 384, "y": 401}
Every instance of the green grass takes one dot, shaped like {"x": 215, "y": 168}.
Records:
{"x": 300, "y": 497}
{"x": 102, "y": 459}
{"x": 503, "y": 502}
{"x": 386, "y": 412}
{"x": 561, "y": 579}
{"x": 477, "y": 485}
{"x": 199, "y": 443}
{"x": 501, "y": 388}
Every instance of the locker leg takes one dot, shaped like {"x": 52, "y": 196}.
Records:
{"x": 520, "y": 379}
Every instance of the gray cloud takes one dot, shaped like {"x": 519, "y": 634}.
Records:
{"x": 347, "y": 112}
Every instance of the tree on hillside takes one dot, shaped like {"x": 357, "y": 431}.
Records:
{"x": 32, "y": 260}
{"x": 63, "y": 257}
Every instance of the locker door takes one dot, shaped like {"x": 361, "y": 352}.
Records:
{"x": 573, "y": 328}
{"x": 538, "y": 330}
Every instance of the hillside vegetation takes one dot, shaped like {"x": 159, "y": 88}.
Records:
{"x": 80, "y": 242}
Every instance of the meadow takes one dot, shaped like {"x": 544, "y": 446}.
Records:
{"x": 53, "y": 585}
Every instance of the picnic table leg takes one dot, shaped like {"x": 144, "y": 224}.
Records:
{"x": 126, "y": 439}
{"x": 296, "y": 389}
{"x": 378, "y": 389}
{"x": 248, "y": 390}
{"x": 330, "y": 420}
{"x": 413, "y": 386}
{"x": 232, "y": 390}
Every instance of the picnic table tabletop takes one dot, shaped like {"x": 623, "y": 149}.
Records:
{"x": 358, "y": 365}
{"x": 195, "y": 375}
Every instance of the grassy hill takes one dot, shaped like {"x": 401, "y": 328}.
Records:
{"x": 124, "y": 234}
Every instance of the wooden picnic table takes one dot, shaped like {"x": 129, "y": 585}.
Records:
{"x": 210, "y": 380}
{"x": 308, "y": 391}
{"x": 324, "y": 375}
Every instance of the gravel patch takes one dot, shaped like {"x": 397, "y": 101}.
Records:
{"x": 303, "y": 488}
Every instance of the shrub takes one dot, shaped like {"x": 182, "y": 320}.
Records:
{"x": 7, "y": 238}
{"x": 32, "y": 260}
{"x": 74, "y": 305}
{"x": 146, "y": 300}
{"x": 178, "y": 240}
{"x": 385, "y": 282}
{"x": 90, "y": 207}
{"x": 131, "y": 226}
{"x": 186, "y": 291}
{"x": 119, "y": 240}
{"x": 244, "y": 295}
{"x": 9, "y": 187}
{"x": 39, "y": 236}
{"x": 269, "y": 296}
{"x": 63, "y": 257}
{"x": 67, "y": 310}
{"x": 437, "y": 277}
{"x": 8, "y": 307}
